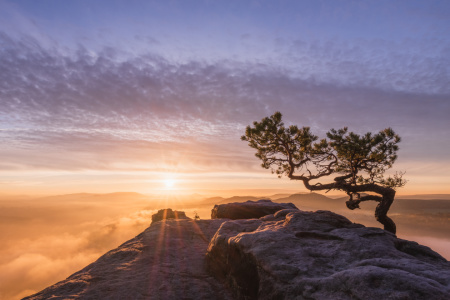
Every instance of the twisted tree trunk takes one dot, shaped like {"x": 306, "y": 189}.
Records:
{"x": 384, "y": 201}
{"x": 382, "y": 209}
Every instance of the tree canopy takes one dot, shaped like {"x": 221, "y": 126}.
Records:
{"x": 360, "y": 161}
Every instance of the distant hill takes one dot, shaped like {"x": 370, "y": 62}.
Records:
{"x": 425, "y": 197}
{"x": 239, "y": 199}
{"x": 400, "y": 205}
{"x": 420, "y": 206}
{"x": 212, "y": 200}
{"x": 408, "y": 206}
{"x": 279, "y": 196}
{"x": 312, "y": 201}
{"x": 220, "y": 200}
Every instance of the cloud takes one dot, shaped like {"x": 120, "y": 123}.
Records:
{"x": 36, "y": 253}
{"x": 88, "y": 109}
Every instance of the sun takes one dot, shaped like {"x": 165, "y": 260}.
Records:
{"x": 169, "y": 183}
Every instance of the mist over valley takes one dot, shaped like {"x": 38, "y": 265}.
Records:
{"x": 47, "y": 239}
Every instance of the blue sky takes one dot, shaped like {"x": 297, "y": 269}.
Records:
{"x": 120, "y": 87}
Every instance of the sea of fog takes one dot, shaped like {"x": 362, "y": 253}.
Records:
{"x": 44, "y": 240}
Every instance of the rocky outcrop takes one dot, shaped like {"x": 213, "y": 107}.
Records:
{"x": 291, "y": 254}
{"x": 248, "y": 210}
{"x": 166, "y": 261}
{"x": 164, "y": 214}
{"x": 321, "y": 255}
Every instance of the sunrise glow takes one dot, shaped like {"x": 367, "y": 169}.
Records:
{"x": 169, "y": 183}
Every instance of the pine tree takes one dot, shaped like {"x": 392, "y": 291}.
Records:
{"x": 360, "y": 161}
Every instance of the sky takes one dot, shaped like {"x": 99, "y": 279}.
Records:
{"x": 146, "y": 96}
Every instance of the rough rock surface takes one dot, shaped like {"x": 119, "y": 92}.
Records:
{"x": 168, "y": 213}
{"x": 291, "y": 254}
{"x": 248, "y": 210}
{"x": 166, "y": 261}
{"x": 321, "y": 255}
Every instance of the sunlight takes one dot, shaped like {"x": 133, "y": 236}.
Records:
{"x": 169, "y": 183}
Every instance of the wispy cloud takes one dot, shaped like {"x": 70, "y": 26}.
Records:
{"x": 98, "y": 104}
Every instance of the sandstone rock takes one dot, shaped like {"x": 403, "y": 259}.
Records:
{"x": 248, "y": 210}
{"x": 166, "y": 261}
{"x": 168, "y": 213}
{"x": 321, "y": 255}
{"x": 291, "y": 254}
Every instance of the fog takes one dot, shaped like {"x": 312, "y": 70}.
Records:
{"x": 47, "y": 239}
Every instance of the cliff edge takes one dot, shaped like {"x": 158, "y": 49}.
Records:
{"x": 166, "y": 261}
{"x": 288, "y": 254}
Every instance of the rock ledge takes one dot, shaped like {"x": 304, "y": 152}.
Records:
{"x": 248, "y": 210}
{"x": 322, "y": 255}
{"x": 168, "y": 213}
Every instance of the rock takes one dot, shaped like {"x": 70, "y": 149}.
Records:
{"x": 321, "y": 255}
{"x": 166, "y": 261}
{"x": 248, "y": 210}
{"x": 290, "y": 254}
{"x": 164, "y": 214}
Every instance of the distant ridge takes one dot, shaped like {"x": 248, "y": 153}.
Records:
{"x": 212, "y": 200}
{"x": 280, "y": 196}
{"x": 425, "y": 197}
{"x": 312, "y": 200}
{"x": 221, "y": 200}
{"x": 421, "y": 206}
{"x": 239, "y": 199}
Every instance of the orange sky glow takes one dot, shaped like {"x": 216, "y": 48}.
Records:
{"x": 100, "y": 105}
{"x": 182, "y": 183}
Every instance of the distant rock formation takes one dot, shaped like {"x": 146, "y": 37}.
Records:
{"x": 164, "y": 214}
{"x": 321, "y": 255}
{"x": 248, "y": 210}
{"x": 290, "y": 254}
